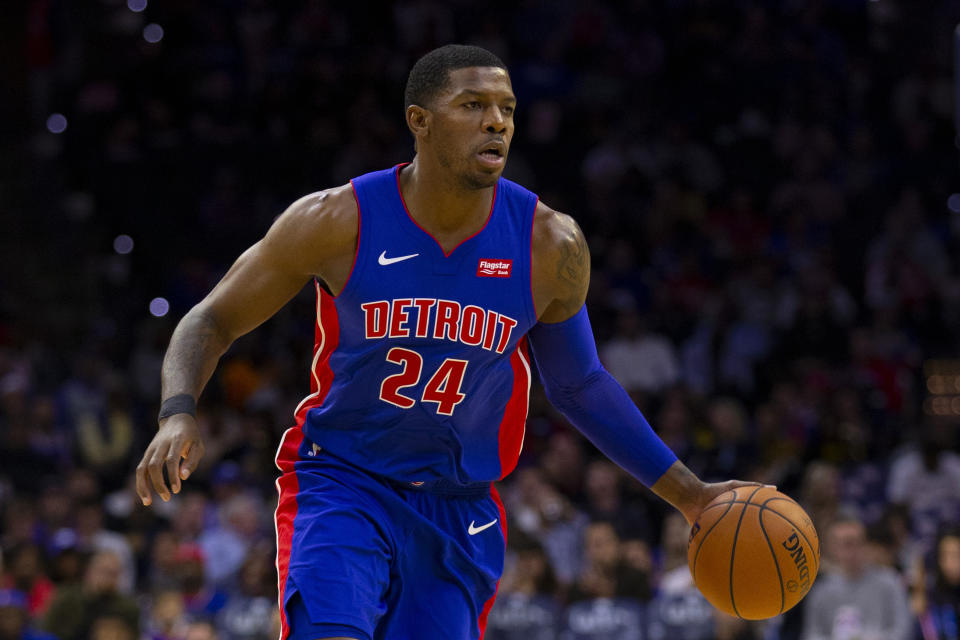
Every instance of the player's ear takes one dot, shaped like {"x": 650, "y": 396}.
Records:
{"x": 418, "y": 120}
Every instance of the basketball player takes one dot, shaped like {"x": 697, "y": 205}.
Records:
{"x": 436, "y": 282}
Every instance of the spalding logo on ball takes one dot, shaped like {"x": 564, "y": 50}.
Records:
{"x": 753, "y": 552}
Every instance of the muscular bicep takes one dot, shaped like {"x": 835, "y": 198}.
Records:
{"x": 561, "y": 266}
{"x": 254, "y": 289}
{"x": 313, "y": 237}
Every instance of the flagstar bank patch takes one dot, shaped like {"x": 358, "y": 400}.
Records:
{"x": 494, "y": 268}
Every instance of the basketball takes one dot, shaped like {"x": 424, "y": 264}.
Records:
{"x": 753, "y": 552}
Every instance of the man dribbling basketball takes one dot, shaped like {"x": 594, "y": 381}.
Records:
{"x": 435, "y": 281}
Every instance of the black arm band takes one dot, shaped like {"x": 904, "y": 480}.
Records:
{"x": 180, "y": 403}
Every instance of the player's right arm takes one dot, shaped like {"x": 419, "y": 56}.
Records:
{"x": 315, "y": 236}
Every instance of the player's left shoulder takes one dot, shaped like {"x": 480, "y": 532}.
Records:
{"x": 556, "y": 233}
{"x": 561, "y": 262}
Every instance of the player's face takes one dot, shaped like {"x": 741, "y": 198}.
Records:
{"x": 473, "y": 124}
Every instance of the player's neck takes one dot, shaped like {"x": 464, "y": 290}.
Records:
{"x": 439, "y": 205}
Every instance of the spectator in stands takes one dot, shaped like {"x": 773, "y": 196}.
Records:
{"x": 93, "y": 536}
{"x": 190, "y": 518}
{"x": 732, "y": 449}
{"x": 562, "y": 463}
{"x": 609, "y": 593}
{"x": 20, "y": 522}
{"x": 643, "y": 361}
{"x": 56, "y": 511}
{"x": 927, "y": 478}
{"x": 678, "y": 611}
{"x": 162, "y": 561}
{"x": 25, "y": 573}
{"x": 201, "y": 630}
{"x": 545, "y": 513}
{"x": 603, "y": 487}
{"x": 75, "y": 608}
{"x": 230, "y": 541}
{"x": 166, "y": 619}
{"x": 15, "y": 618}
{"x": 67, "y": 563}
{"x": 252, "y": 598}
{"x": 820, "y": 493}
{"x": 113, "y": 627}
{"x": 526, "y": 607}
{"x": 605, "y": 573}
{"x": 939, "y": 610}
{"x": 855, "y": 599}
{"x": 200, "y": 598}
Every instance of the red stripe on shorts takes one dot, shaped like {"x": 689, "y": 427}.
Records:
{"x": 503, "y": 527}
{"x": 287, "y": 488}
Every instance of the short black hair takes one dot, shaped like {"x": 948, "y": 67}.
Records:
{"x": 430, "y": 74}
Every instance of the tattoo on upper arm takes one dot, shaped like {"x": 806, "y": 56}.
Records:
{"x": 574, "y": 261}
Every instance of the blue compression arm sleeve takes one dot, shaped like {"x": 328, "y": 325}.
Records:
{"x": 582, "y": 390}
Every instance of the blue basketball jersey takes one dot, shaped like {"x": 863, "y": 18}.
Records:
{"x": 420, "y": 369}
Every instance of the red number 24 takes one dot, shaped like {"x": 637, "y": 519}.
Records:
{"x": 443, "y": 388}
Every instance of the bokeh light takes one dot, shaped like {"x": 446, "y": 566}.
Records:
{"x": 123, "y": 244}
{"x": 159, "y": 307}
{"x": 953, "y": 203}
{"x": 153, "y": 33}
{"x": 57, "y": 123}
{"x": 136, "y": 5}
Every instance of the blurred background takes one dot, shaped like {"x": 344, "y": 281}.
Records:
{"x": 770, "y": 194}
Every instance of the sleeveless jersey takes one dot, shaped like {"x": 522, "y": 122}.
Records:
{"x": 420, "y": 370}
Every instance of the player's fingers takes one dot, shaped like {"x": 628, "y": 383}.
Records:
{"x": 155, "y": 471}
{"x": 172, "y": 462}
{"x": 736, "y": 484}
{"x": 192, "y": 458}
{"x": 143, "y": 488}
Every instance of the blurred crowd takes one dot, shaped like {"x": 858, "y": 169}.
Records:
{"x": 766, "y": 188}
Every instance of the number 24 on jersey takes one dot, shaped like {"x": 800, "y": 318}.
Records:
{"x": 443, "y": 388}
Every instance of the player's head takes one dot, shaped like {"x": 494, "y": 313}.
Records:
{"x": 459, "y": 106}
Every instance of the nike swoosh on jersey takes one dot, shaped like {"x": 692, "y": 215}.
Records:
{"x": 384, "y": 260}
{"x": 474, "y": 530}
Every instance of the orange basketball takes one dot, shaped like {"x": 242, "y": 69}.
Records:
{"x": 753, "y": 553}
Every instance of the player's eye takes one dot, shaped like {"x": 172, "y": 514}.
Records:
{"x": 472, "y": 105}
{"x": 507, "y": 110}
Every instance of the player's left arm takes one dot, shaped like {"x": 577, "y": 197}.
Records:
{"x": 578, "y": 385}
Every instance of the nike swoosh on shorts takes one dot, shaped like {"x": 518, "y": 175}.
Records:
{"x": 473, "y": 529}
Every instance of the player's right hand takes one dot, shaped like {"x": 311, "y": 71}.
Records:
{"x": 178, "y": 439}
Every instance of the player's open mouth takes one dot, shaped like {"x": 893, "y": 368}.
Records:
{"x": 492, "y": 154}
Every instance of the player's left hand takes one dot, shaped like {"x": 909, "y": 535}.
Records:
{"x": 710, "y": 490}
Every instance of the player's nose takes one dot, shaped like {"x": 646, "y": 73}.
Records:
{"x": 494, "y": 120}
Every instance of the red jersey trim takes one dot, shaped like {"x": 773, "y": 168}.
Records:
{"x": 327, "y": 332}
{"x": 513, "y": 425}
{"x": 533, "y": 301}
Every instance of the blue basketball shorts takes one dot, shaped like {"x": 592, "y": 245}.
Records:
{"x": 360, "y": 556}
